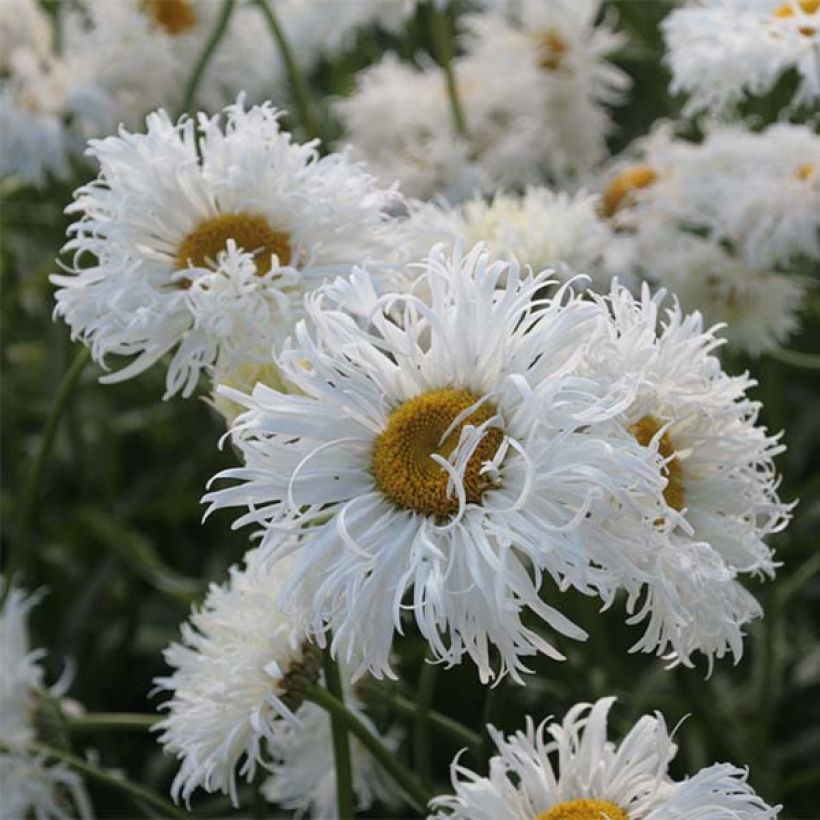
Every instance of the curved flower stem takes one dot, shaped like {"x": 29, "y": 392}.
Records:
{"x": 421, "y": 723}
{"x": 189, "y": 97}
{"x": 341, "y": 746}
{"x": 796, "y": 358}
{"x": 443, "y": 47}
{"x": 415, "y": 793}
{"x": 110, "y": 721}
{"x": 31, "y": 488}
{"x": 137, "y": 792}
{"x": 298, "y": 84}
{"x": 459, "y": 734}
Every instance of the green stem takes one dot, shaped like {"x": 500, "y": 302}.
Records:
{"x": 298, "y": 84}
{"x": 417, "y": 795}
{"x": 110, "y": 721}
{"x": 796, "y": 358}
{"x": 341, "y": 746}
{"x": 459, "y": 734}
{"x": 443, "y": 48}
{"x": 136, "y": 791}
{"x": 421, "y": 723}
{"x": 31, "y": 488}
{"x": 212, "y": 42}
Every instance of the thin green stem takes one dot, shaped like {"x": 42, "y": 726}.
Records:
{"x": 458, "y": 733}
{"x": 221, "y": 25}
{"x": 341, "y": 746}
{"x": 116, "y": 781}
{"x": 796, "y": 358}
{"x": 416, "y": 794}
{"x": 421, "y": 722}
{"x": 298, "y": 84}
{"x": 31, "y": 488}
{"x": 110, "y": 721}
{"x": 442, "y": 37}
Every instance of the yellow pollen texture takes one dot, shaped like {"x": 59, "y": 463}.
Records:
{"x": 251, "y": 232}
{"x": 552, "y": 50}
{"x": 806, "y": 6}
{"x": 624, "y": 184}
{"x": 644, "y": 431}
{"x": 805, "y": 171}
{"x": 174, "y": 16}
{"x": 402, "y": 465}
{"x": 584, "y": 810}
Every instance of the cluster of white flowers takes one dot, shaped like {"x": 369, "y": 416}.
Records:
{"x": 29, "y": 784}
{"x": 571, "y": 771}
{"x": 721, "y": 223}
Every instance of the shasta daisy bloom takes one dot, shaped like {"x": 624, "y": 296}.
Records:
{"x": 436, "y": 469}
{"x": 542, "y": 229}
{"x": 572, "y": 771}
{"x": 303, "y": 775}
{"x": 720, "y": 495}
{"x": 722, "y": 51}
{"x": 29, "y": 784}
{"x": 235, "y": 685}
{"x": 207, "y": 259}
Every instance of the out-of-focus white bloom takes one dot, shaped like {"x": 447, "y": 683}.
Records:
{"x": 721, "y": 484}
{"x": 23, "y": 25}
{"x": 235, "y": 684}
{"x": 142, "y": 53}
{"x": 571, "y": 771}
{"x": 303, "y": 776}
{"x": 542, "y": 229}
{"x": 722, "y": 51}
{"x": 29, "y": 784}
{"x": 438, "y": 463}
{"x": 718, "y": 222}
{"x": 398, "y": 119}
{"x": 541, "y": 86}
{"x": 207, "y": 258}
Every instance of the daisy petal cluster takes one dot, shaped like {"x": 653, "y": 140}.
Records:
{"x": 572, "y": 771}
{"x": 721, "y": 52}
{"x": 440, "y": 473}
{"x": 235, "y": 683}
{"x": 198, "y": 240}
{"x": 29, "y": 784}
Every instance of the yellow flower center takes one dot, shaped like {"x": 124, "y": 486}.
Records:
{"x": 624, "y": 185}
{"x": 403, "y": 466}
{"x": 251, "y": 232}
{"x": 584, "y": 810}
{"x": 174, "y": 16}
{"x": 806, "y": 6}
{"x": 552, "y": 48}
{"x": 805, "y": 171}
{"x": 644, "y": 430}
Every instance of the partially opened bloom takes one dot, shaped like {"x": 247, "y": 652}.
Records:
{"x": 439, "y": 462}
{"x": 722, "y": 51}
{"x": 572, "y": 771}
{"x": 207, "y": 258}
{"x": 682, "y": 575}
{"x": 236, "y": 682}
{"x": 29, "y": 784}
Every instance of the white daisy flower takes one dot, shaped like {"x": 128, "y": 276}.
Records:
{"x": 23, "y": 24}
{"x": 207, "y": 258}
{"x": 235, "y": 684}
{"x": 721, "y": 501}
{"x": 303, "y": 776}
{"x": 572, "y": 771}
{"x": 541, "y": 68}
{"x": 398, "y": 119}
{"x": 143, "y": 51}
{"x": 29, "y": 784}
{"x": 542, "y": 229}
{"x": 440, "y": 470}
{"x": 723, "y": 51}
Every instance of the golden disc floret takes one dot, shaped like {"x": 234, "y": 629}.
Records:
{"x": 644, "y": 430}
{"x": 584, "y": 809}
{"x": 173, "y": 16}
{"x": 251, "y": 232}
{"x": 403, "y": 467}
{"x": 625, "y": 184}
{"x": 551, "y": 49}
